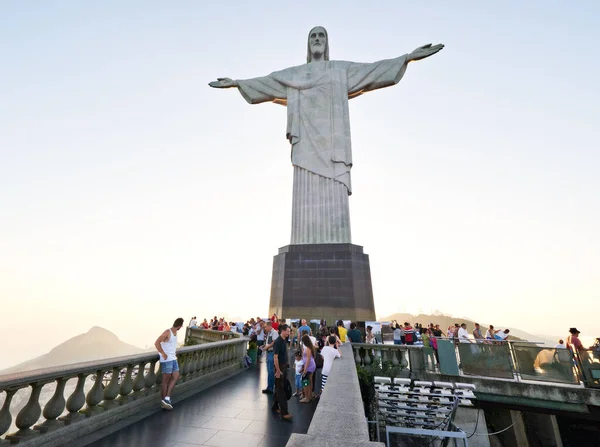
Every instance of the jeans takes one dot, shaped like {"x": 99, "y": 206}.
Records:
{"x": 397, "y": 342}
{"x": 271, "y": 371}
{"x": 298, "y": 382}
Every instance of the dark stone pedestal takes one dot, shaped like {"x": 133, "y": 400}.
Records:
{"x": 322, "y": 281}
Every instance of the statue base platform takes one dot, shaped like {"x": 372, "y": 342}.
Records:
{"x": 322, "y": 281}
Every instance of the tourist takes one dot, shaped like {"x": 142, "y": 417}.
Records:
{"x": 573, "y": 342}
{"x": 294, "y": 335}
{"x": 354, "y": 334}
{"x": 299, "y": 366}
{"x": 166, "y": 345}
{"x": 272, "y": 336}
{"x": 560, "y": 345}
{"x": 333, "y": 331}
{"x": 490, "y": 334}
{"x": 322, "y": 326}
{"x": 370, "y": 337}
{"x": 260, "y": 336}
{"x": 477, "y": 332}
{"x": 463, "y": 334}
{"x": 281, "y": 361}
{"x": 398, "y": 334}
{"x": 502, "y": 335}
{"x": 193, "y": 323}
{"x": 304, "y": 327}
{"x": 275, "y": 322}
{"x": 215, "y": 323}
{"x": 310, "y": 366}
{"x": 204, "y": 324}
{"x": 450, "y": 332}
{"x": 437, "y": 332}
{"x": 330, "y": 352}
{"x": 342, "y": 331}
{"x": 409, "y": 334}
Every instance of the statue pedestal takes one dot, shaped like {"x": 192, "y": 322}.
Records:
{"x": 322, "y": 281}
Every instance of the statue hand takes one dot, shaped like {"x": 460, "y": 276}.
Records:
{"x": 223, "y": 83}
{"x": 425, "y": 51}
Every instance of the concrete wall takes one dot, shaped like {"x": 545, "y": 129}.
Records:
{"x": 339, "y": 420}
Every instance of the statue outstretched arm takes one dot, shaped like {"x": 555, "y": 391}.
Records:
{"x": 256, "y": 90}
{"x": 424, "y": 51}
{"x": 223, "y": 83}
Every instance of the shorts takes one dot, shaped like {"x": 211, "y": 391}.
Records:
{"x": 169, "y": 367}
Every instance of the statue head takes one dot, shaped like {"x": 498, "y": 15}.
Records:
{"x": 318, "y": 44}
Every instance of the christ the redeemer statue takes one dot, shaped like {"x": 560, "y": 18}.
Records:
{"x": 318, "y": 127}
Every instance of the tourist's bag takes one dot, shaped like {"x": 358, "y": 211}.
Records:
{"x": 287, "y": 388}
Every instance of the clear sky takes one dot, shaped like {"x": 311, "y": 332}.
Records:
{"x": 131, "y": 193}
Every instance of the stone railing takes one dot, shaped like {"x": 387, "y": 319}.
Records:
{"x": 402, "y": 357}
{"x": 123, "y": 391}
{"x": 209, "y": 336}
{"x": 339, "y": 418}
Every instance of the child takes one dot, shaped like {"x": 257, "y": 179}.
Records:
{"x": 299, "y": 365}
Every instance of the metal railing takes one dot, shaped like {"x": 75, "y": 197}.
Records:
{"x": 117, "y": 382}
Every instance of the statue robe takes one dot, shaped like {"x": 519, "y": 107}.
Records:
{"x": 318, "y": 127}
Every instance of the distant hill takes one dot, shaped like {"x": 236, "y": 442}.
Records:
{"x": 447, "y": 320}
{"x": 97, "y": 343}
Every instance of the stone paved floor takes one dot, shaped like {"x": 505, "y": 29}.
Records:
{"x": 233, "y": 413}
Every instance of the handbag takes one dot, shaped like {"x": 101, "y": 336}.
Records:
{"x": 287, "y": 387}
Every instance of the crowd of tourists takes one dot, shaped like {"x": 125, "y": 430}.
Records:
{"x": 311, "y": 353}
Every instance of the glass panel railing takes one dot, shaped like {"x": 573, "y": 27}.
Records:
{"x": 486, "y": 359}
{"x": 590, "y": 366}
{"x": 545, "y": 364}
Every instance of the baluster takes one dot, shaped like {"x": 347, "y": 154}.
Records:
{"x": 151, "y": 377}
{"x": 215, "y": 359}
{"x": 209, "y": 360}
{"x": 5, "y": 416}
{"x": 159, "y": 377}
{"x": 384, "y": 356}
{"x": 126, "y": 386}
{"x": 54, "y": 408}
{"x": 357, "y": 358}
{"x": 28, "y": 416}
{"x": 367, "y": 359}
{"x": 198, "y": 363}
{"x": 112, "y": 389}
{"x": 140, "y": 381}
{"x": 182, "y": 360}
{"x": 193, "y": 364}
{"x": 395, "y": 361}
{"x": 376, "y": 355}
{"x": 94, "y": 396}
{"x": 75, "y": 401}
{"x": 202, "y": 359}
{"x": 403, "y": 360}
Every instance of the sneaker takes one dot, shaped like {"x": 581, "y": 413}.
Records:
{"x": 267, "y": 391}
{"x": 166, "y": 404}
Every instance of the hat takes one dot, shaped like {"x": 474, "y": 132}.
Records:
{"x": 574, "y": 330}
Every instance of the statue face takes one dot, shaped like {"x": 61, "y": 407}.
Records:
{"x": 317, "y": 40}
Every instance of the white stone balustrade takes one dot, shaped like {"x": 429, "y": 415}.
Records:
{"x": 117, "y": 383}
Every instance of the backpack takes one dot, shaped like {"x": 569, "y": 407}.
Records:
{"x": 247, "y": 361}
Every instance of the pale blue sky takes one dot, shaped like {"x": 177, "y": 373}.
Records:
{"x": 132, "y": 193}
